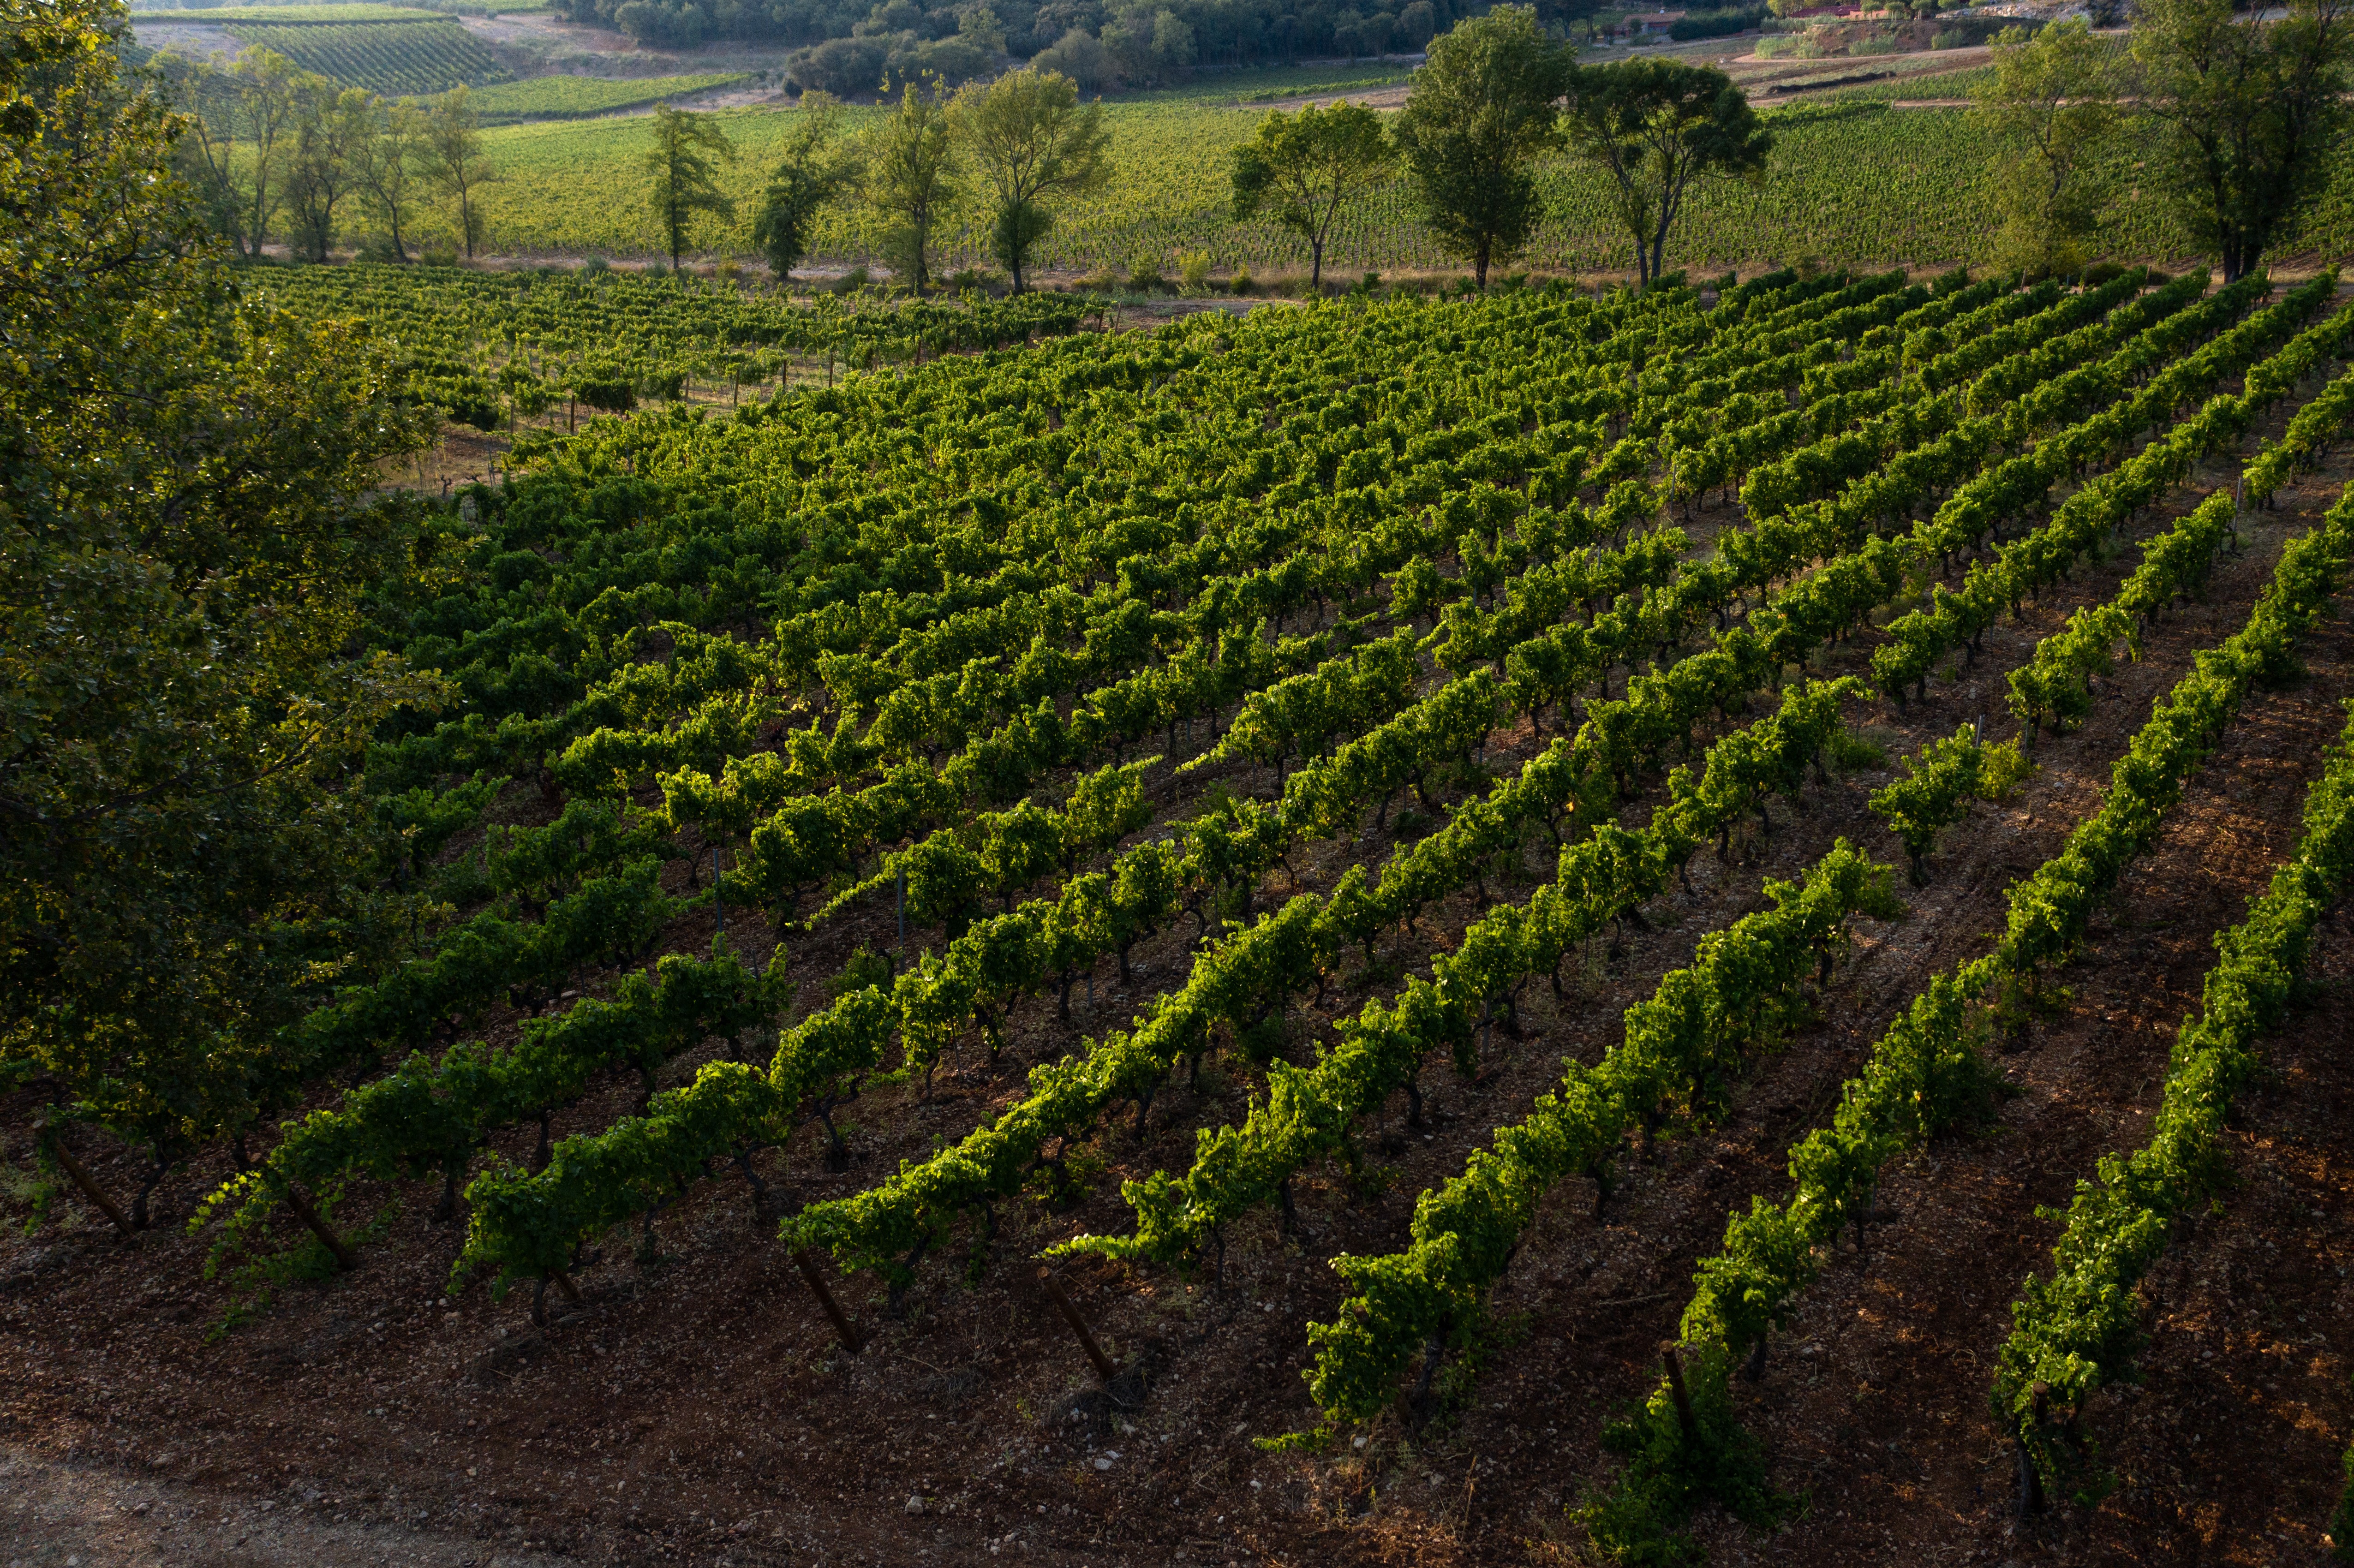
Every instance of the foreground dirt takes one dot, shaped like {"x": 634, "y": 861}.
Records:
{"x": 697, "y": 1409}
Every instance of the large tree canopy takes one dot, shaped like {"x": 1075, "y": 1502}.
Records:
{"x": 1030, "y": 140}
{"x": 2250, "y": 108}
{"x": 184, "y": 678}
{"x": 684, "y": 162}
{"x": 1481, "y": 112}
{"x": 1658, "y": 127}
{"x": 2051, "y": 105}
{"x": 1299, "y": 169}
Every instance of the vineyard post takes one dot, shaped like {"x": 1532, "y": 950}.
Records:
{"x": 1053, "y": 1289}
{"x": 82, "y": 1179}
{"x": 1673, "y": 1361}
{"x": 807, "y": 1265}
{"x": 345, "y": 1261}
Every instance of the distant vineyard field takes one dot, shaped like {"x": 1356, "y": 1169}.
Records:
{"x": 1859, "y": 184}
{"x": 293, "y": 15}
{"x": 575, "y": 97}
{"x": 392, "y": 58}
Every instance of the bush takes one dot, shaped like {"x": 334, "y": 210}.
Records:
{"x": 1193, "y": 271}
{"x": 843, "y": 67}
{"x": 1144, "y": 276}
{"x": 1242, "y": 281}
{"x": 439, "y": 254}
{"x": 1715, "y": 23}
{"x": 1950, "y": 39}
{"x": 593, "y": 265}
{"x": 1875, "y": 47}
{"x": 1080, "y": 56}
{"x": 849, "y": 282}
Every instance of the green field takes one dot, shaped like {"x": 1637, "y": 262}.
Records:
{"x": 394, "y": 57}
{"x": 297, "y": 15}
{"x": 1875, "y": 186}
{"x": 578, "y": 97}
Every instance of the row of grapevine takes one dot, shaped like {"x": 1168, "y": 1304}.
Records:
{"x": 2025, "y": 566}
{"x": 1927, "y": 1070}
{"x": 1025, "y": 941}
{"x": 2078, "y": 1330}
{"x": 1401, "y": 1296}
{"x": 1309, "y": 1112}
{"x": 692, "y": 651}
{"x": 1266, "y": 1174}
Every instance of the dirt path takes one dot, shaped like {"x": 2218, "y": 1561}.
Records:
{"x": 83, "y": 1512}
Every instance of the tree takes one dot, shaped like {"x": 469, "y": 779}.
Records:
{"x": 912, "y": 182}
{"x": 2052, "y": 104}
{"x": 1151, "y": 44}
{"x": 685, "y": 163}
{"x": 979, "y": 26}
{"x": 1300, "y": 168}
{"x": 2249, "y": 108}
{"x": 1480, "y": 111}
{"x": 1657, "y": 127}
{"x": 812, "y": 173}
{"x": 234, "y": 155}
{"x": 388, "y": 171}
{"x": 188, "y": 566}
{"x": 1028, "y": 137}
{"x": 1079, "y": 55}
{"x": 332, "y": 129}
{"x": 454, "y": 163}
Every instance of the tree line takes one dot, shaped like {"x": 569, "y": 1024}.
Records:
{"x": 271, "y": 149}
{"x": 2242, "y": 114}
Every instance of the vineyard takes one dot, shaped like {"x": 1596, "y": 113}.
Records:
{"x": 579, "y": 97}
{"x": 1706, "y": 921}
{"x": 1852, "y": 184}
{"x": 486, "y": 347}
{"x": 393, "y": 57}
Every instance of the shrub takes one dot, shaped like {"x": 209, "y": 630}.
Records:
{"x": 1193, "y": 271}
{"x": 1715, "y": 23}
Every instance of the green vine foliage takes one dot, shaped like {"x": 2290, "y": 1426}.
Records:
{"x": 1928, "y": 1072}
{"x": 2079, "y": 1328}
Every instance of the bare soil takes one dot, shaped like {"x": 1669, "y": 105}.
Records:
{"x": 696, "y": 1408}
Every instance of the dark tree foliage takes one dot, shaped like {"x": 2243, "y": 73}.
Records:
{"x": 183, "y": 672}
